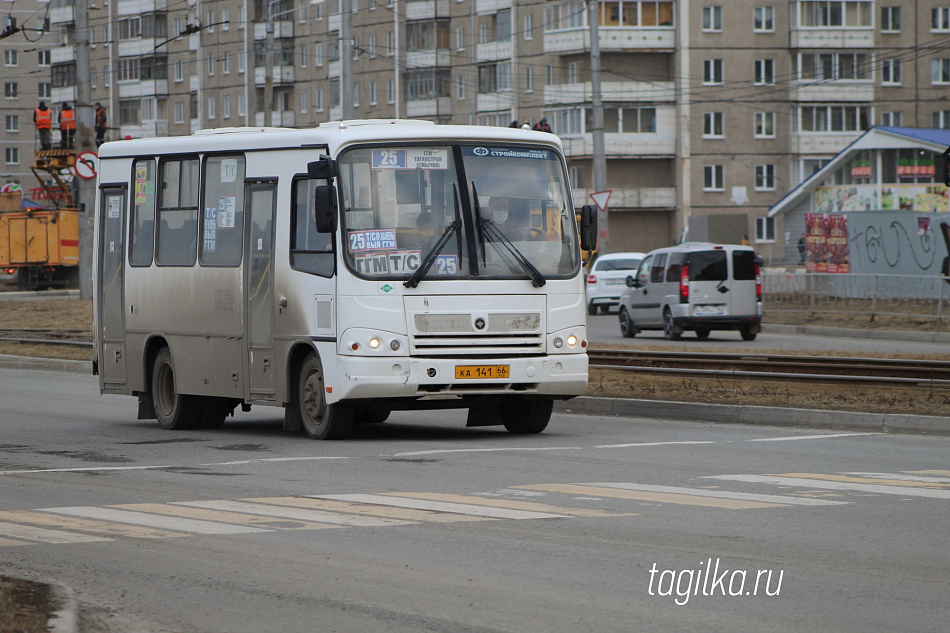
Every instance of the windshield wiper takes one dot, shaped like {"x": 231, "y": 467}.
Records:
{"x": 489, "y": 229}
{"x": 450, "y": 229}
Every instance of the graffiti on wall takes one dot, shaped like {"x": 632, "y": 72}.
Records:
{"x": 903, "y": 243}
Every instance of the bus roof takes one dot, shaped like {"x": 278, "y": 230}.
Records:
{"x": 335, "y": 135}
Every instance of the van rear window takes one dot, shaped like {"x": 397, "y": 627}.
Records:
{"x": 707, "y": 266}
{"x": 743, "y": 265}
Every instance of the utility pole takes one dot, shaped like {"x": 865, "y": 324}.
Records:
{"x": 346, "y": 60}
{"x": 600, "y": 159}
{"x": 84, "y": 143}
{"x": 269, "y": 65}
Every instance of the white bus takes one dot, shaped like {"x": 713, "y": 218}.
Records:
{"x": 340, "y": 272}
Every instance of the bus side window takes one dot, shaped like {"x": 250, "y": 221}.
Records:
{"x": 178, "y": 213}
{"x": 142, "y": 225}
{"x": 310, "y": 251}
{"x": 222, "y": 219}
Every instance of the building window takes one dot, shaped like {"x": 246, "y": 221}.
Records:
{"x": 303, "y": 101}
{"x": 226, "y": 107}
{"x": 824, "y": 14}
{"x": 210, "y": 65}
{"x": 834, "y": 119}
{"x": 712, "y": 125}
{"x": 390, "y": 91}
{"x": 11, "y": 90}
{"x": 460, "y": 87}
{"x": 712, "y": 71}
{"x": 529, "y": 79}
{"x": 764, "y": 72}
{"x": 371, "y": 46}
{"x": 503, "y": 26}
{"x": 242, "y": 63}
{"x": 940, "y": 19}
{"x": 528, "y": 27}
{"x": 572, "y": 72}
{"x": 460, "y": 38}
{"x": 210, "y": 21}
{"x": 318, "y": 103}
{"x": 318, "y": 54}
{"x": 211, "y": 108}
{"x": 892, "y": 119}
{"x": 10, "y": 57}
{"x": 763, "y": 20}
{"x": 226, "y": 63}
{"x": 488, "y": 78}
{"x": 356, "y": 95}
{"x": 12, "y": 155}
{"x": 834, "y": 66}
{"x": 44, "y": 58}
{"x": 939, "y": 71}
{"x": 13, "y": 123}
{"x": 765, "y": 177}
{"x": 764, "y": 125}
{"x": 130, "y": 112}
{"x": 549, "y": 75}
{"x": 390, "y": 43}
{"x": 764, "y": 230}
{"x": 372, "y": 93}
{"x": 226, "y": 18}
{"x": 891, "y": 72}
{"x": 45, "y": 90}
{"x": 303, "y": 55}
{"x": 179, "y": 112}
{"x": 712, "y": 19}
{"x": 713, "y": 178}
{"x": 941, "y": 119}
{"x": 179, "y": 71}
{"x": 890, "y": 19}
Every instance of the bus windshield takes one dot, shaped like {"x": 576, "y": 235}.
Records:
{"x": 500, "y": 212}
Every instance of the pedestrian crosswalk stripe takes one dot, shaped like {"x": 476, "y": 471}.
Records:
{"x": 43, "y": 535}
{"x": 903, "y": 477}
{"x": 256, "y": 520}
{"x": 887, "y": 481}
{"x": 153, "y": 520}
{"x": 293, "y": 513}
{"x": 690, "y": 498}
{"x": 937, "y": 473}
{"x": 84, "y": 525}
{"x": 802, "y": 482}
{"x": 392, "y": 512}
{"x": 442, "y": 506}
{"x": 725, "y": 494}
{"x": 508, "y": 503}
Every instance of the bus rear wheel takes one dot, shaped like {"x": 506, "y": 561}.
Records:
{"x": 174, "y": 411}
{"x": 526, "y": 416}
{"x": 320, "y": 420}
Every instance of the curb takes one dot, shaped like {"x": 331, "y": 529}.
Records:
{"x": 840, "y": 332}
{"x": 56, "y": 364}
{"x": 753, "y": 415}
{"x": 65, "y": 619}
{"x": 35, "y": 295}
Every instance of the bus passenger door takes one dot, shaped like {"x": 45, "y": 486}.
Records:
{"x": 261, "y": 198}
{"x": 111, "y": 273}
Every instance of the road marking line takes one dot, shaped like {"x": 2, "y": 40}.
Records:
{"x": 391, "y": 512}
{"x": 725, "y": 494}
{"x": 85, "y": 525}
{"x": 836, "y": 485}
{"x": 903, "y": 477}
{"x": 659, "y": 497}
{"x": 392, "y": 499}
{"x": 274, "y": 523}
{"x": 945, "y": 473}
{"x": 489, "y": 450}
{"x": 864, "y": 480}
{"x": 317, "y": 516}
{"x": 154, "y": 520}
{"x": 44, "y": 535}
{"x": 272, "y": 459}
{"x": 511, "y": 504}
{"x": 162, "y": 467}
{"x": 792, "y": 438}
{"x": 638, "y": 444}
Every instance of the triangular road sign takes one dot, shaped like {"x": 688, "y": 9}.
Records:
{"x": 601, "y": 198}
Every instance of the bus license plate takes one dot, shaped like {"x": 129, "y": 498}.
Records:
{"x": 464, "y": 372}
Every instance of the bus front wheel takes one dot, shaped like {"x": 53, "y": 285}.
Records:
{"x": 320, "y": 420}
{"x": 174, "y": 411}
{"x": 527, "y": 416}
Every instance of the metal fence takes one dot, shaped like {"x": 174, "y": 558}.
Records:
{"x": 871, "y": 295}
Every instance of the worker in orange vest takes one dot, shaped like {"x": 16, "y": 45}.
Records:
{"x": 43, "y": 118}
{"x": 67, "y": 127}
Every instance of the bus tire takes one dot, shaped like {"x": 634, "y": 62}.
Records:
{"x": 320, "y": 420}
{"x": 175, "y": 412}
{"x": 214, "y": 411}
{"x": 371, "y": 416}
{"x": 526, "y": 416}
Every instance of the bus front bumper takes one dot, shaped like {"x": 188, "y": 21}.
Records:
{"x": 562, "y": 375}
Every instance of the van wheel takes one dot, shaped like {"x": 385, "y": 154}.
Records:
{"x": 627, "y": 328}
{"x": 591, "y": 309}
{"x": 702, "y": 332}
{"x": 320, "y": 420}
{"x": 605, "y": 309}
{"x": 670, "y": 331}
{"x": 174, "y": 411}
{"x": 747, "y": 334}
{"x": 526, "y": 416}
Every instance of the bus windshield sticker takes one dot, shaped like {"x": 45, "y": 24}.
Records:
{"x": 210, "y": 232}
{"x": 141, "y": 182}
{"x": 383, "y": 240}
{"x": 229, "y": 169}
{"x": 115, "y": 207}
{"x": 508, "y": 152}
{"x": 226, "y": 212}
{"x": 388, "y": 263}
{"x": 410, "y": 159}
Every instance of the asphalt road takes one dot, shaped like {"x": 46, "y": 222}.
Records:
{"x": 444, "y": 528}
{"x": 605, "y": 328}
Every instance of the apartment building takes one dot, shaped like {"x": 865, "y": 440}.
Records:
{"x": 712, "y": 108}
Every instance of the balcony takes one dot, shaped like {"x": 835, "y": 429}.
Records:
{"x": 612, "y": 40}
{"x": 427, "y": 9}
{"x": 142, "y": 47}
{"x": 138, "y": 7}
{"x": 652, "y": 145}
{"x": 284, "y": 28}
{"x": 836, "y": 91}
{"x": 145, "y": 88}
{"x": 814, "y": 144}
{"x": 626, "y": 91}
{"x": 493, "y": 51}
{"x": 280, "y": 75}
{"x": 64, "y": 94}
{"x": 287, "y": 118}
{"x": 632, "y": 198}
{"x": 487, "y": 7}
{"x": 832, "y": 38}
{"x": 62, "y": 15}
{"x": 428, "y": 107}
{"x": 62, "y": 55}
{"x": 427, "y": 59}
{"x": 494, "y": 101}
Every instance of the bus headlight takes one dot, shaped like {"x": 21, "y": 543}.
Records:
{"x": 394, "y": 345}
{"x": 572, "y": 340}
{"x": 374, "y": 342}
{"x": 567, "y": 341}
{"x": 370, "y": 342}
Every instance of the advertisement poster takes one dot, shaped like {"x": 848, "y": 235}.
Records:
{"x": 826, "y": 243}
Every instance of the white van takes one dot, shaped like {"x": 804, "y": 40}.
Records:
{"x": 695, "y": 286}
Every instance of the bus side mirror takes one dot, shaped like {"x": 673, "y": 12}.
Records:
{"x": 589, "y": 227}
{"x": 324, "y": 208}
{"x": 946, "y": 167}
{"x": 324, "y": 168}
